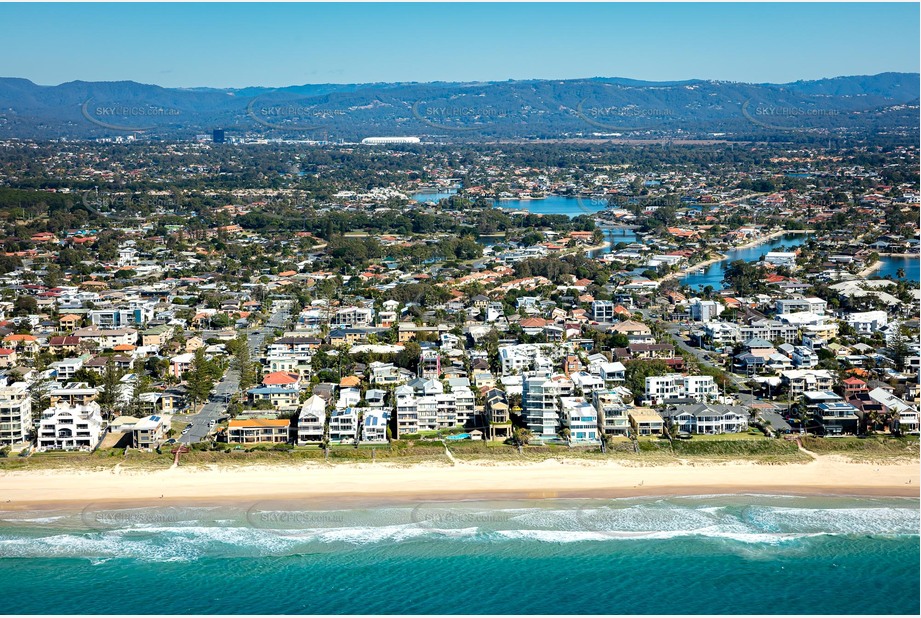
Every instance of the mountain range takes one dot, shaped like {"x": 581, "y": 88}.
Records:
{"x": 849, "y": 107}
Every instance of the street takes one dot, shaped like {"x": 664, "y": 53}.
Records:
{"x": 223, "y": 391}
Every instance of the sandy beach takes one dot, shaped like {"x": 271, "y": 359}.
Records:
{"x": 826, "y": 475}
{"x": 688, "y": 270}
{"x": 869, "y": 270}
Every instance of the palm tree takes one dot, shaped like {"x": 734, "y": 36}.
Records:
{"x": 521, "y": 437}
{"x": 900, "y": 273}
{"x": 566, "y": 435}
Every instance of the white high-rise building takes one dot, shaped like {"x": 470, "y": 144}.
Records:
{"x": 15, "y": 413}
{"x": 540, "y": 402}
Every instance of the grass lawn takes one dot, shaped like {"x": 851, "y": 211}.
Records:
{"x": 407, "y": 452}
{"x": 728, "y": 437}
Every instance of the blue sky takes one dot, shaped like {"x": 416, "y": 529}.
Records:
{"x": 236, "y": 45}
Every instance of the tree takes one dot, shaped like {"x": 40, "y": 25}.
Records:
{"x": 108, "y": 394}
{"x": 899, "y": 350}
{"x": 135, "y": 405}
{"x": 639, "y": 370}
{"x": 566, "y": 434}
{"x": 242, "y": 361}
{"x": 25, "y": 305}
{"x": 199, "y": 378}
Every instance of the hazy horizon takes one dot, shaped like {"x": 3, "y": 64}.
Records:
{"x": 480, "y": 81}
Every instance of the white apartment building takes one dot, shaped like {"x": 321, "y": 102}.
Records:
{"x": 149, "y": 432}
{"x": 603, "y": 311}
{"x": 677, "y": 386}
{"x": 587, "y": 382}
{"x": 70, "y": 427}
{"x": 612, "y": 412}
{"x": 770, "y": 330}
{"x": 540, "y": 406}
{"x": 867, "y": 321}
{"x": 722, "y": 333}
{"x": 804, "y": 358}
{"x": 108, "y": 339}
{"x": 517, "y": 359}
{"x": 801, "y": 380}
{"x": 406, "y": 411}
{"x": 15, "y": 413}
{"x": 613, "y": 373}
{"x": 66, "y": 369}
{"x": 705, "y": 310}
{"x": 781, "y": 258}
{"x": 797, "y": 305}
{"x": 464, "y": 404}
{"x": 352, "y": 317}
{"x": 387, "y": 374}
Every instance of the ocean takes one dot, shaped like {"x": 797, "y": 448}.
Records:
{"x": 719, "y": 554}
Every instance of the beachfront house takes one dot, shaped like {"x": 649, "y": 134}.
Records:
{"x": 374, "y": 426}
{"x": 646, "y": 421}
{"x": 311, "y": 421}
{"x": 258, "y": 430}
{"x": 343, "y": 425}
{"x": 708, "y": 418}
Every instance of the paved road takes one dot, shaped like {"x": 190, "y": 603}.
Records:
{"x": 223, "y": 391}
{"x": 743, "y": 395}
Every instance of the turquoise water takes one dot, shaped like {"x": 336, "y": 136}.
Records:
{"x": 891, "y": 265}
{"x": 555, "y": 205}
{"x": 713, "y": 274}
{"x": 434, "y": 196}
{"x": 706, "y": 554}
{"x": 551, "y": 205}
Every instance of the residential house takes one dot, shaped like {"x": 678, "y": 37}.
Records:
{"x": 258, "y": 430}
{"x": 374, "y": 426}
{"x": 708, "y": 418}
{"x": 311, "y": 421}
{"x": 647, "y": 421}
{"x": 343, "y": 425}
{"x": 580, "y": 418}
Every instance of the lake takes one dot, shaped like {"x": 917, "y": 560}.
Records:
{"x": 891, "y": 265}
{"x": 713, "y": 274}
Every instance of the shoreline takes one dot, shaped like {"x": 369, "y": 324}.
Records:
{"x": 869, "y": 270}
{"x": 714, "y": 260}
{"x": 769, "y": 237}
{"x": 826, "y": 475}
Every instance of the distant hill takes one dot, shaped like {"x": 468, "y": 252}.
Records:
{"x": 842, "y": 106}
